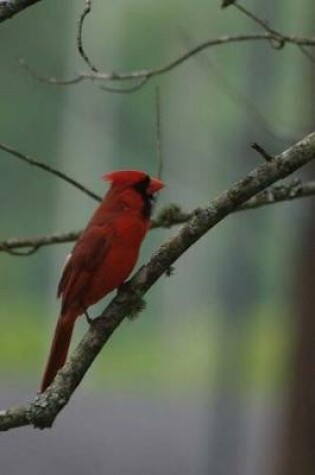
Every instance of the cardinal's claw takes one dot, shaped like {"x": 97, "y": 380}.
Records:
{"x": 88, "y": 318}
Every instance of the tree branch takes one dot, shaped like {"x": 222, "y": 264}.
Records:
{"x": 9, "y": 8}
{"x": 49, "y": 169}
{"x": 37, "y": 242}
{"x": 45, "y": 408}
{"x": 170, "y": 215}
{"x": 169, "y": 66}
{"x": 158, "y": 134}
{"x": 82, "y": 52}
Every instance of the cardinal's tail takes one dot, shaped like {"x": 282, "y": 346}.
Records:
{"x": 59, "y": 349}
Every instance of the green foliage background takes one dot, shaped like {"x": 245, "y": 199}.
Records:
{"x": 231, "y": 297}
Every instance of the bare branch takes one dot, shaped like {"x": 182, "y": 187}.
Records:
{"x": 281, "y": 39}
{"x": 257, "y": 20}
{"x": 280, "y": 193}
{"x": 307, "y": 54}
{"x": 169, "y": 216}
{"x": 9, "y": 8}
{"x": 83, "y": 54}
{"x": 26, "y": 253}
{"x": 266, "y": 156}
{"x": 169, "y": 66}
{"x": 126, "y": 90}
{"x": 37, "y": 242}
{"x": 86, "y": 59}
{"x": 230, "y": 90}
{"x": 46, "y": 406}
{"x": 47, "y": 80}
{"x": 49, "y": 169}
{"x": 158, "y": 138}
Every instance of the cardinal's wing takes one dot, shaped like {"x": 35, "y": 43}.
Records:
{"x": 89, "y": 252}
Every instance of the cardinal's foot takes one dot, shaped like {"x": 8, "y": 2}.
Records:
{"x": 88, "y": 318}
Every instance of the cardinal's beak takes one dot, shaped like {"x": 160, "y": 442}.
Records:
{"x": 155, "y": 186}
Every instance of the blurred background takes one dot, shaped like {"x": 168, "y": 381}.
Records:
{"x": 217, "y": 375}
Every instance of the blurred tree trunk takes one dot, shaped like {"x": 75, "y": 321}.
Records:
{"x": 299, "y": 443}
{"x": 298, "y": 457}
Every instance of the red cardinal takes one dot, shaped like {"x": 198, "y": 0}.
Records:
{"x": 104, "y": 255}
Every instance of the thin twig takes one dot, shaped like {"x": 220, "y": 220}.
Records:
{"x": 158, "y": 136}
{"x": 281, "y": 38}
{"x": 306, "y": 53}
{"x": 85, "y": 57}
{"x": 278, "y": 40}
{"x": 26, "y": 253}
{"x": 83, "y": 54}
{"x": 222, "y": 82}
{"x": 169, "y": 66}
{"x": 126, "y": 90}
{"x": 256, "y": 19}
{"x": 47, "y": 80}
{"x": 49, "y": 169}
{"x": 258, "y": 148}
{"x": 36, "y": 242}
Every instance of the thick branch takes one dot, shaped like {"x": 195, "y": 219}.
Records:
{"x": 45, "y": 408}
{"x": 9, "y": 8}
